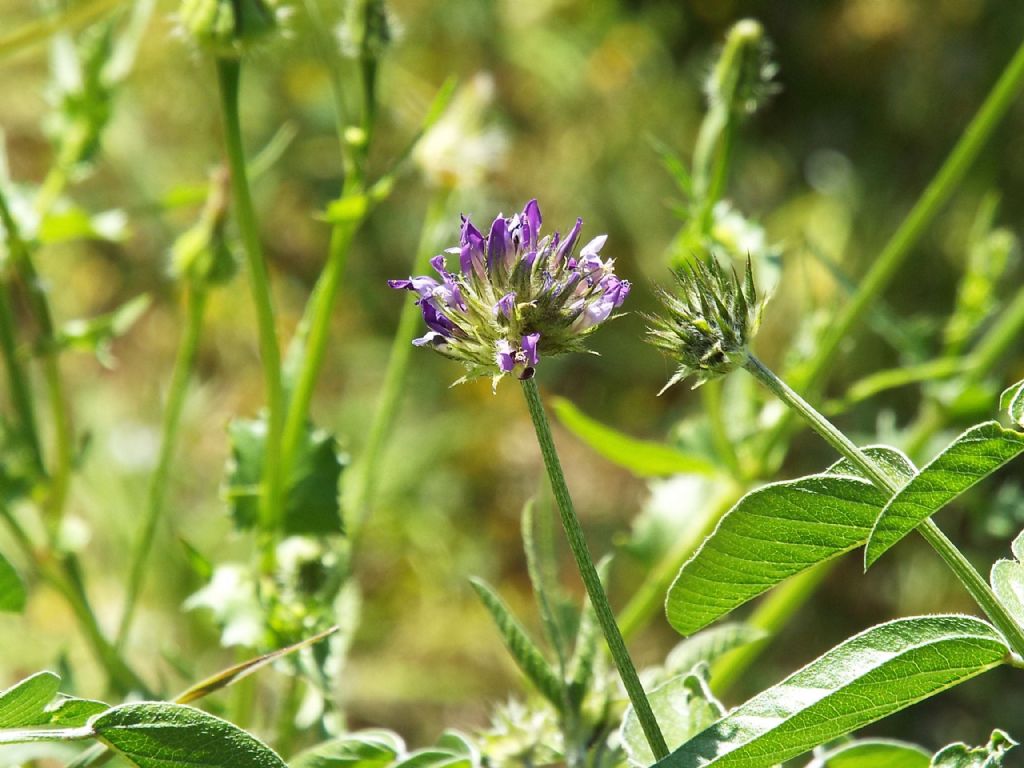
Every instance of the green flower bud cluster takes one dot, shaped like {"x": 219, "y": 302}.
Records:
{"x": 709, "y": 322}
{"x": 201, "y": 254}
{"x": 742, "y": 77}
{"x": 228, "y": 27}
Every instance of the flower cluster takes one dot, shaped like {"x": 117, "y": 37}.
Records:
{"x": 516, "y": 296}
{"x": 708, "y": 325}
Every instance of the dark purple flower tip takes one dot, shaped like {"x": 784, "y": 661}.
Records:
{"x": 506, "y": 305}
{"x": 438, "y": 264}
{"x": 532, "y": 215}
{"x": 566, "y": 246}
{"x": 499, "y": 243}
{"x": 471, "y": 251}
{"x": 423, "y": 286}
{"x": 530, "y": 348}
{"x": 435, "y": 320}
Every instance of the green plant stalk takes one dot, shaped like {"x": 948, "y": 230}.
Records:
{"x": 366, "y": 474}
{"x": 955, "y": 560}
{"x": 229, "y": 75}
{"x": 934, "y": 197}
{"x": 711, "y": 399}
{"x": 17, "y": 376}
{"x": 650, "y": 596}
{"x": 591, "y": 580}
{"x": 181, "y": 374}
{"x": 316, "y": 330}
{"x": 60, "y": 469}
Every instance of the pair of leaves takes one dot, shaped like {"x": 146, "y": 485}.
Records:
{"x": 868, "y": 677}
{"x": 311, "y": 497}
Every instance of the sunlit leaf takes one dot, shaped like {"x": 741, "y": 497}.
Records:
{"x": 1012, "y": 401}
{"x": 960, "y": 755}
{"x": 24, "y": 703}
{"x": 972, "y": 457}
{"x": 683, "y": 707}
{"x": 880, "y": 671}
{"x": 375, "y": 748}
{"x": 643, "y": 458}
{"x": 874, "y": 753}
{"x": 160, "y": 735}
{"x": 776, "y": 532}
{"x": 710, "y": 644}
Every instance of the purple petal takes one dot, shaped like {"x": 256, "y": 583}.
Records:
{"x": 423, "y": 286}
{"x": 594, "y": 246}
{"x": 471, "y": 251}
{"x": 499, "y": 243}
{"x": 505, "y": 357}
{"x": 435, "y": 320}
{"x": 530, "y": 348}
{"x": 565, "y": 248}
{"x": 506, "y": 305}
{"x": 438, "y": 264}
{"x": 594, "y": 312}
{"x": 432, "y": 338}
{"x": 532, "y": 215}
{"x": 615, "y": 290}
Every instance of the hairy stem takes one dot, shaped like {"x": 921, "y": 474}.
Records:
{"x": 591, "y": 580}
{"x": 365, "y": 474}
{"x": 954, "y": 559}
{"x": 180, "y": 376}
{"x": 229, "y": 75}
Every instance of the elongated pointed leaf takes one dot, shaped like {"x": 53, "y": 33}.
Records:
{"x": 24, "y": 703}
{"x": 683, "y": 707}
{"x": 874, "y": 753}
{"x": 1012, "y": 401}
{"x": 880, "y": 671}
{"x": 12, "y": 591}
{"x": 972, "y": 457}
{"x": 773, "y": 533}
{"x": 1008, "y": 581}
{"x": 160, "y": 735}
{"x": 527, "y": 656}
{"x": 643, "y": 458}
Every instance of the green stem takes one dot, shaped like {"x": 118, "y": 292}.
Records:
{"x": 711, "y": 397}
{"x": 17, "y": 376}
{"x": 934, "y": 197}
{"x": 392, "y": 387}
{"x": 955, "y": 560}
{"x": 229, "y": 75}
{"x": 182, "y": 372}
{"x": 63, "y": 451}
{"x": 591, "y": 580}
{"x": 315, "y": 333}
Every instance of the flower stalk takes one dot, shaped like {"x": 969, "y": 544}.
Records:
{"x": 588, "y": 572}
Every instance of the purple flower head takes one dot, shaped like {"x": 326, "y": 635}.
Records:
{"x": 517, "y": 296}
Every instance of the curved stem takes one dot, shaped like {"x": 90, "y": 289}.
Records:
{"x": 17, "y": 376}
{"x": 955, "y": 560}
{"x": 229, "y": 73}
{"x": 591, "y": 580}
{"x": 183, "y": 365}
{"x": 391, "y": 388}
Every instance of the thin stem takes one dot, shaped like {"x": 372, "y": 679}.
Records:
{"x": 229, "y": 74}
{"x": 591, "y": 580}
{"x": 711, "y": 397}
{"x": 315, "y": 331}
{"x": 961, "y": 567}
{"x": 180, "y": 376}
{"x": 17, "y": 376}
{"x": 906, "y": 237}
{"x": 63, "y": 450}
{"x": 392, "y": 387}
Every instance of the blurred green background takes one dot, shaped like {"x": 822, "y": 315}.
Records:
{"x": 873, "y": 94}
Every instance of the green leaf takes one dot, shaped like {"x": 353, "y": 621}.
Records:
{"x": 540, "y": 566}
{"x": 1012, "y": 401}
{"x": 880, "y": 671}
{"x": 72, "y": 712}
{"x": 683, "y": 707}
{"x": 73, "y": 223}
{"x": 775, "y": 532}
{"x": 24, "y": 703}
{"x": 527, "y": 656}
{"x": 961, "y": 756}
{"x": 710, "y": 644}
{"x": 874, "y": 753}
{"x": 1007, "y": 579}
{"x": 643, "y": 458}
{"x": 12, "y": 590}
{"x": 972, "y": 457}
{"x": 311, "y": 500}
{"x": 362, "y": 749}
{"x": 453, "y": 750}
{"x": 160, "y": 735}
